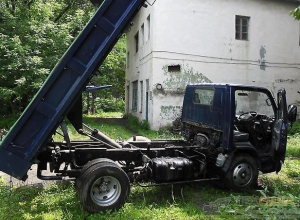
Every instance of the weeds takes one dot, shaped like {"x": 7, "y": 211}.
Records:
{"x": 7, "y": 121}
{"x": 106, "y": 115}
{"x": 295, "y": 129}
{"x": 292, "y": 168}
{"x": 293, "y": 146}
{"x": 137, "y": 125}
{"x": 279, "y": 198}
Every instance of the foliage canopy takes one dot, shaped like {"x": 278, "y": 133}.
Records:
{"x": 296, "y": 13}
{"x": 34, "y": 34}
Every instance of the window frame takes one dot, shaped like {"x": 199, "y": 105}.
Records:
{"x": 148, "y": 28}
{"x": 240, "y": 33}
{"x": 134, "y": 105}
{"x": 211, "y": 101}
{"x": 136, "y": 42}
{"x": 174, "y": 68}
{"x": 142, "y": 95}
{"x": 142, "y": 34}
{"x": 128, "y": 61}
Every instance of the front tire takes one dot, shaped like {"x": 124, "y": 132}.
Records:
{"x": 104, "y": 186}
{"x": 242, "y": 173}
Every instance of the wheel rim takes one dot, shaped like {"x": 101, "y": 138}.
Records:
{"x": 106, "y": 191}
{"x": 242, "y": 175}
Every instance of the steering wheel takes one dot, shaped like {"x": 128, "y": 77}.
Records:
{"x": 247, "y": 116}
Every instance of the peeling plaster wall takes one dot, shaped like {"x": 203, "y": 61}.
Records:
{"x": 168, "y": 100}
{"x": 200, "y": 37}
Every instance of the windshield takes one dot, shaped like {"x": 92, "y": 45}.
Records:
{"x": 259, "y": 102}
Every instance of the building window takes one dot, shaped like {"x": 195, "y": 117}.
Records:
{"x": 143, "y": 34}
{"x": 128, "y": 59}
{"x": 136, "y": 42}
{"x": 134, "y": 95}
{"x": 148, "y": 28}
{"x": 242, "y": 27}
{"x": 127, "y": 95}
{"x": 142, "y": 97}
{"x": 174, "y": 68}
{"x": 147, "y": 85}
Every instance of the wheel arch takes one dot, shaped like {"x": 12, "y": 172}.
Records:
{"x": 250, "y": 150}
{"x": 241, "y": 149}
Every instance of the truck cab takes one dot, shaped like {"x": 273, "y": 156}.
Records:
{"x": 243, "y": 128}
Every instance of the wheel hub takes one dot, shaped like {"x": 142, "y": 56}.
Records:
{"x": 103, "y": 187}
{"x": 242, "y": 175}
{"x": 106, "y": 191}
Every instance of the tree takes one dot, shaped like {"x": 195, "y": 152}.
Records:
{"x": 113, "y": 69}
{"x": 296, "y": 13}
{"x": 33, "y": 35}
{"x": 111, "y": 72}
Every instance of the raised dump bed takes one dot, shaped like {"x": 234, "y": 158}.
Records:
{"x": 64, "y": 86}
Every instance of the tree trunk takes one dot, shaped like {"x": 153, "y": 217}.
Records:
{"x": 88, "y": 103}
{"x": 93, "y": 104}
{"x": 64, "y": 10}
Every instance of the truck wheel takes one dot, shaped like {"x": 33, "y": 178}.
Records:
{"x": 78, "y": 181}
{"x": 104, "y": 186}
{"x": 242, "y": 173}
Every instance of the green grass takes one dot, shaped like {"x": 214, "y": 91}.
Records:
{"x": 116, "y": 132}
{"x": 60, "y": 201}
{"x": 177, "y": 202}
{"x": 293, "y": 146}
{"x": 106, "y": 115}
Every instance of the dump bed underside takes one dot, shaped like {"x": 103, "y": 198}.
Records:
{"x": 64, "y": 86}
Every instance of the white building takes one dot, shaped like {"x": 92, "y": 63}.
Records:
{"x": 174, "y": 43}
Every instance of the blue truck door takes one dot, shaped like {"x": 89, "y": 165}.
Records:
{"x": 203, "y": 105}
{"x": 218, "y": 108}
{"x": 279, "y": 133}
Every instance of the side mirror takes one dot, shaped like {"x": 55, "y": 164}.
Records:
{"x": 292, "y": 113}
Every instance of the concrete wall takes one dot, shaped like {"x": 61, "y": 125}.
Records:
{"x": 200, "y": 37}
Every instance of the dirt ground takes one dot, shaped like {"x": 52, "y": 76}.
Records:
{"x": 31, "y": 181}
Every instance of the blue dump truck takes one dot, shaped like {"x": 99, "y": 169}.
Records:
{"x": 231, "y": 131}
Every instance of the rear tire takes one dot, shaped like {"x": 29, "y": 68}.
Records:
{"x": 104, "y": 186}
{"x": 242, "y": 173}
{"x": 78, "y": 181}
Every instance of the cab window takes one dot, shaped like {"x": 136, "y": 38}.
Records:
{"x": 252, "y": 101}
{"x": 203, "y": 96}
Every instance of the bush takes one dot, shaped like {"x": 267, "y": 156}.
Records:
{"x": 110, "y": 105}
{"x": 295, "y": 128}
{"x": 292, "y": 168}
{"x": 7, "y": 121}
{"x": 144, "y": 125}
{"x": 135, "y": 124}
